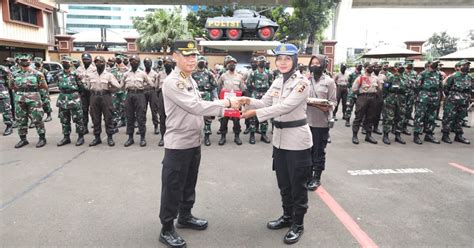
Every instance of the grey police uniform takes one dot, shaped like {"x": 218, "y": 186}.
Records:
{"x": 184, "y": 123}
{"x": 135, "y": 104}
{"x": 286, "y": 103}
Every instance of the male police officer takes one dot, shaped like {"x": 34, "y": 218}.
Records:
{"x": 162, "y": 75}
{"x": 341, "y": 83}
{"x": 151, "y": 96}
{"x": 184, "y": 112}
{"x": 83, "y": 72}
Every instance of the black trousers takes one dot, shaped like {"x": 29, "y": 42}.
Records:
{"x": 151, "y": 97}
{"x": 366, "y": 107}
{"x": 86, "y": 101}
{"x": 178, "y": 182}
{"x": 378, "y": 109}
{"x": 135, "y": 109}
{"x": 102, "y": 105}
{"x": 318, "y": 151}
{"x": 161, "y": 112}
{"x": 341, "y": 94}
{"x": 293, "y": 170}
{"x": 12, "y": 102}
{"x": 225, "y": 120}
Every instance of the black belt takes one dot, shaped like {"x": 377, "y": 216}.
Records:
{"x": 100, "y": 93}
{"x": 397, "y": 92}
{"x": 68, "y": 91}
{"x": 342, "y": 86}
{"x": 27, "y": 90}
{"x": 288, "y": 124}
{"x": 368, "y": 94}
{"x": 132, "y": 91}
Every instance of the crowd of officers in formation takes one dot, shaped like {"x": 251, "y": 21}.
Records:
{"x": 394, "y": 93}
{"x": 121, "y": 91}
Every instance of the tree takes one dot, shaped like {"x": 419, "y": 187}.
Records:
{"x": 158, "y": 30}
{"x": 441, "y": 44}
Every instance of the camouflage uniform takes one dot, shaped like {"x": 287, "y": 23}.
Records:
{"x": 26, "y": 84}
{"x": 351, "y": 96}
{"x": 119, "y": 97}
{"x": 258, "y": 84}
{"x": 458, "y": 88}
{"x": 410, "y": 95}
{"x": 44, "y": 93}
{"x": 394, "y": 106}
{"x": 5, "y": 101}
{"x": 427, "y": 102}
{"x": 69, "y": 102}
{"x": 206, "y": 85}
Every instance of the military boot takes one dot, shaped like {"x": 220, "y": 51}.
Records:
{"x": 399, "y": 139}
{"x": 41, "y": 141}
{"x": 15, "y": 124}
{"x": 65, "y": 140}
{"x": 446, "y": 138}
{"x": 207, "y": 141}
{"x": 282, "y": 222}
{"x": 385, "y": 138}
{"x": 430, "y": 138}
{"x": 142, "y": 140}
{"x": 377, "y": 131}
{"x": 364, "y": 132}
{"x": 265, "y": 138}
{"x": 23, "y": 142}
{"x": 369, "y": 138}
{"x": 86, "y": 130}
{"x": 252, "y": 138}
{"x": 96, "y": 140}
{"x": 294, "y": 234}
{"x": 162, "y": 141}
{"x": 80, "y": 140}
{"x": 48, "y": 117}
{"x": 247, "y": 130}
{"x": 32, "y": 125}
{"x": 110, "y": 140}
{"x": 237, "y": 139}
{"x": 8, "y": 130}
{"x": 130, "y": 141}
{"x": 222, "y": 140}
{"x": 315, "y": 180}
{"x": 405, "y": 131}
{"x": 461, "y": 139}
{"x": 157, "y": 129}
{"x": 355, "y": 140}
{"x": 348, "y": 124}
{"x": 416, "y": 139}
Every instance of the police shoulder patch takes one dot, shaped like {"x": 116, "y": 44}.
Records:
{"x": 180, "y": 85}
{"x": 301, "y": 87}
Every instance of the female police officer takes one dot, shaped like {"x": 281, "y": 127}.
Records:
{"x": 323, "y": 87}
{"x": 285, "y": 101}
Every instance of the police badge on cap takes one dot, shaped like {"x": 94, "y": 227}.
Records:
{"x": 186, "y": 47}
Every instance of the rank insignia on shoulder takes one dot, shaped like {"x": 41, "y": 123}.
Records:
{"x": 294, "y": 76}
{"x": 180, "y": 85}
{"x": 183, "y": 76}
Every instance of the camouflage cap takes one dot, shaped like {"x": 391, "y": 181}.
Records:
{"x": 201, "y": 58}
{"x": 38, "y": 60}
{"x": 463, "y": 62}
{"x": 23, "y": 56}
{"x": 97, "y": 58}
{"x": 185, "y": 47}
{"x": 75, "y": 61}
{"x": 66, "y": 59}
{"x": 261, "y": 58}
{"x": 232, "y": 59}
{"x": 398, "y": 64}
{"x": 120, "y": 56}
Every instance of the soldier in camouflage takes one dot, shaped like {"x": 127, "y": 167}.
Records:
{"x": 206, "y": 85}
{"x": 410, "y": 95}
{"x": 26, "y": 83}
{"x": 5, "y": 101}
{"x": 394, "y": 107}
{"x": 69, "y": 103}
{"x": 428, "y": 86}
{"x": 10, "y": 64}
{"x": 351, "y": 96}
{"x": 119, "y": 97}
{"x": 253, "y": 67}
{"x": 44, "y": 93}
{"x": 458, "y": 88}
{"x": 258, "y": 83}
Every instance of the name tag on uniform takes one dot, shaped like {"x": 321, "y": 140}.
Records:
{"x": 275, "y": 93}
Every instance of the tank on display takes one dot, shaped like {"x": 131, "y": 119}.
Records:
{"x": 244, "y": 24}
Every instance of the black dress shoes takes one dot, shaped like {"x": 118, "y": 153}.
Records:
{"x": 172, "y": 239}
{"x": 192, "y": 223}
{"x": 294, "y": 234}
{"x": 283, "y": 221}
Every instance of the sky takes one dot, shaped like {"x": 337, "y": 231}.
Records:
{"x": 374, "y": 26}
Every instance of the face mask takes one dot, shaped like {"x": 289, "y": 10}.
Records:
{"x": 201, "y": 65}
{"x": 119, "y": 61}
{"x": 254, "y": 66}
{"x": 10, "y": 64}
{"x": 231, "y": 67}
{"x": 401, "y": 70}
{"x": 66, "y": 66}
{"x": 434, "y": 66}
{"x": 317, "y": 70}
{"x": 77, "y": 65}
{"x": 261, "y": 64}
{"x": 343, "y": 69}
{"x": 125, "y": 62}
{"x": 25, "y": 63}
{"x": 147, "y": 65}
{"x": 86, "y": 63}
{"x": 369, "y": 70}
{"x": 377, "y": 71}
{"x": 168, "y": 68}
{"x": 37, "y": 64}
{"x": 100, "y": 67}
{"x": 409, "y": 67}
{"x": 465, "y": 69}
{"x": 160, "y": 63}
{"x": 359, "y": 68}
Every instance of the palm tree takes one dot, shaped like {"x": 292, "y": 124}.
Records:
{"x": 160, "y": 29}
